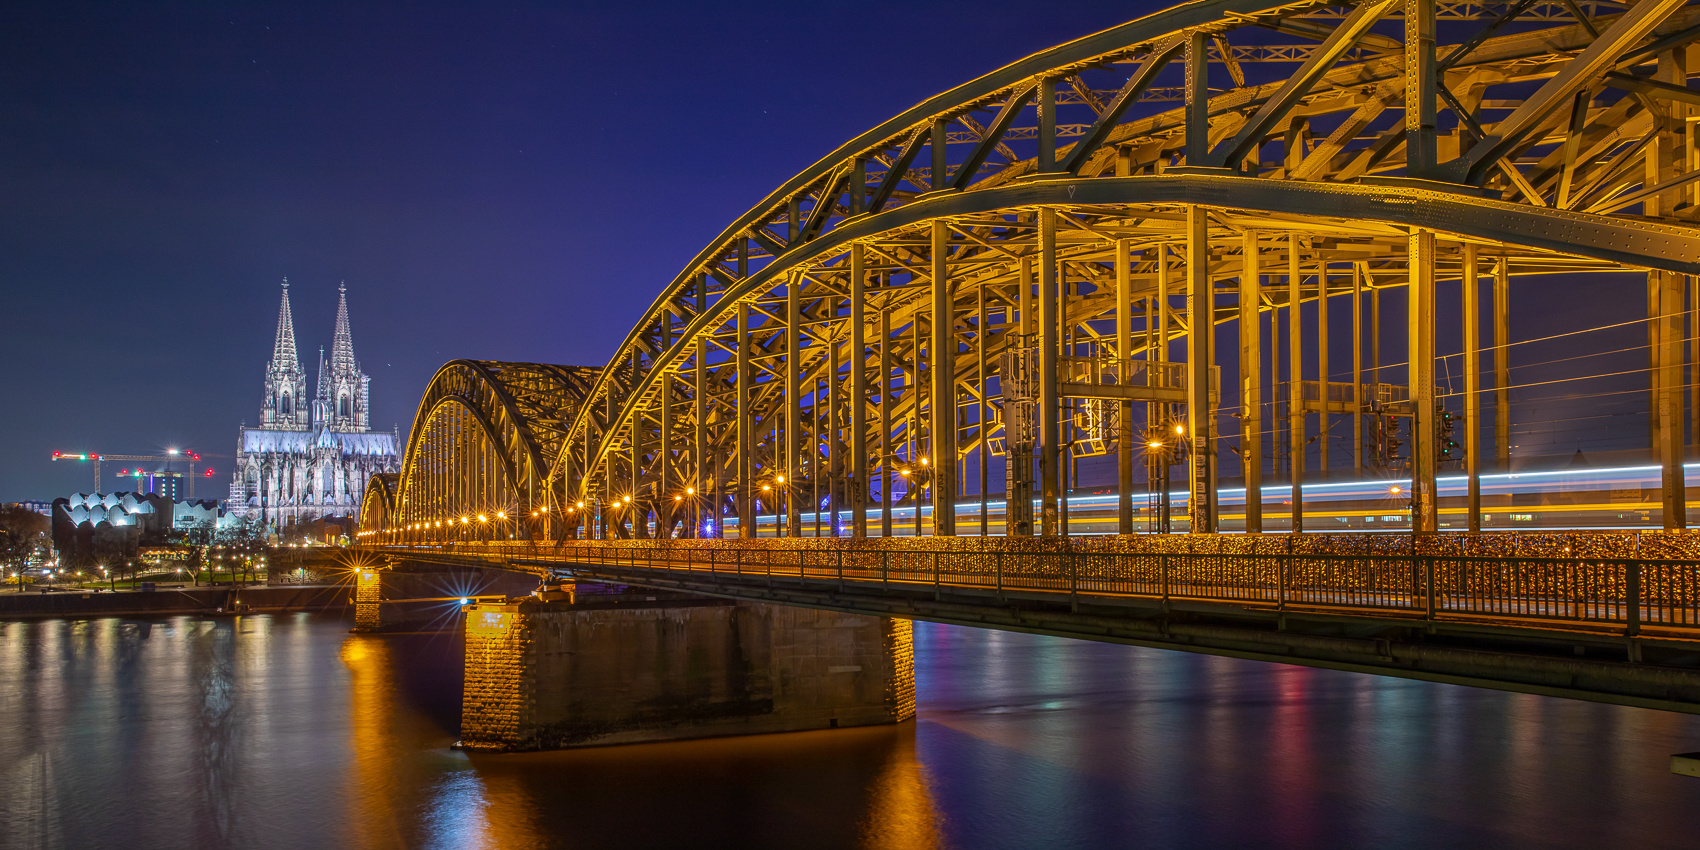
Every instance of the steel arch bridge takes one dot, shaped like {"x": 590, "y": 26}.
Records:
{"x": 482, "y": 443}
{"x": 1034, "y": 266}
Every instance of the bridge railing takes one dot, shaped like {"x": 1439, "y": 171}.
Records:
{"x": 1626, "y": 593}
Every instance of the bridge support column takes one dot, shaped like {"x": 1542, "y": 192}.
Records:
{"x": 553, "y": 674}
{"x": 1420, "y": 257}
{"x": 943, "y": 407}
{"x": 886, "y": 451}
{"x": 793, "y": 402}
{"x": 1295, "y": 384}
{"x": 745, "y": 498}
{"x": 1472, "y": 387}
{"x": 700, "y": 476}
{"x": 1124, "y": 366}
{"x": 858, "y": 484}
{"x": 1050, "y": 405}
{"x": 1667, "y": 320}
{"x": 1251, "y": 381}
{"x": 1201, "y": 347}
{"x": 1502, "y": 363}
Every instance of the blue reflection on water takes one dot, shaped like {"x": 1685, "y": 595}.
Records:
{"x": 1034, "y": 741}
{"x": 288, "y": 732}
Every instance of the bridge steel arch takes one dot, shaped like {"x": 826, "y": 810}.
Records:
{"x": 1034, "y": 265}
{"x": 478, "y": 455}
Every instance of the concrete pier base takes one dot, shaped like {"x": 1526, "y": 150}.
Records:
{"x": 404, "y": 594}
{"x": 368, "y": 596}
{"x": 552, "y": 674}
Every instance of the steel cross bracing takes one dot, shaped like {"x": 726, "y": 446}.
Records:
{"x": 482, "y": 443}
{"x": 1094, "y": 203}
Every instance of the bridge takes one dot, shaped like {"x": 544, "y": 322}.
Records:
{"x": 1131, "y": 251}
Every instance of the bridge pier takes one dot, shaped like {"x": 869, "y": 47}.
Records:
{"x": 652, "y": 666}
{"x": 411, "y": 592}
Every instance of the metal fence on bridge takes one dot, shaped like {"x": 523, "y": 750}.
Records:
{"x": 1626, "y": 593}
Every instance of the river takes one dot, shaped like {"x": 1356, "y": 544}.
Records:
{"x": 286, "y": 731}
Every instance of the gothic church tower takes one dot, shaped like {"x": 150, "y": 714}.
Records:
{"x": 286, "y": 407}
{"x": 312, "y": 456}
{"x": 348, "y": 388}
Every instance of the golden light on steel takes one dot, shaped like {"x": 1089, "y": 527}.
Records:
{"x": 1309, "y": 184}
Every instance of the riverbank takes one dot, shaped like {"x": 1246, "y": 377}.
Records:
{"x": 167, "y": 601}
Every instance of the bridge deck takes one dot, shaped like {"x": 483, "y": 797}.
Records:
{"x": 1615, "y": 629}
{"x": 1629, "y": 596}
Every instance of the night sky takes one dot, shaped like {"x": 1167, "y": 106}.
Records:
{"x": 499, "y": 184}
{"x": 513, "y": 183}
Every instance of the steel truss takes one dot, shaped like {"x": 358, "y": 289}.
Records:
{"x": 840, "y": 344}
{"x": 479, "y": 453}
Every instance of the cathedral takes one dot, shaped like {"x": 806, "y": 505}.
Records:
{"x": 310, "y": 458}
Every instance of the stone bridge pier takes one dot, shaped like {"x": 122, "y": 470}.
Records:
{"x": 591, "y": 665}
{"x": 400, "y": 592}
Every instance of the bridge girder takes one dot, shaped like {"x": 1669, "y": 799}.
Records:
{"x": 498, "y": 421}
{"x": 1533, "y": 137}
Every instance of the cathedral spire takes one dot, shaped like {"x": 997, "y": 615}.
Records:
{"x": 283, "y": 350}
{"x": 324, "y": 393}
{"x": 285, "y": 404}
{"x": 349, "y": 389}
{"x": 342, "y": 341}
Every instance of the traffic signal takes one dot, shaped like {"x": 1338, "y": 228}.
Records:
{"x": 1390, "y": 438}
{"x": 1446, "y": 444}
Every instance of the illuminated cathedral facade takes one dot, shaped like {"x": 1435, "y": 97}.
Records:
{"x": 310, "y": 457}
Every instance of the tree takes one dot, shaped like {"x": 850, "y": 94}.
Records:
{"x": 23, "y": 538}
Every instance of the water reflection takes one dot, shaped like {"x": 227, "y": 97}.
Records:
{"x": 286, "y": 731}
{"x": 1165, "y": 749}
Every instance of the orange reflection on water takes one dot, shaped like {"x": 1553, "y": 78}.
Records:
{"x": 900, "y": 806}
{"x": 406, "y": 788}
{"x": 860, "y": 787}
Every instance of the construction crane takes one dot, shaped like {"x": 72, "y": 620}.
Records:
{"x": 171, "y": 456}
